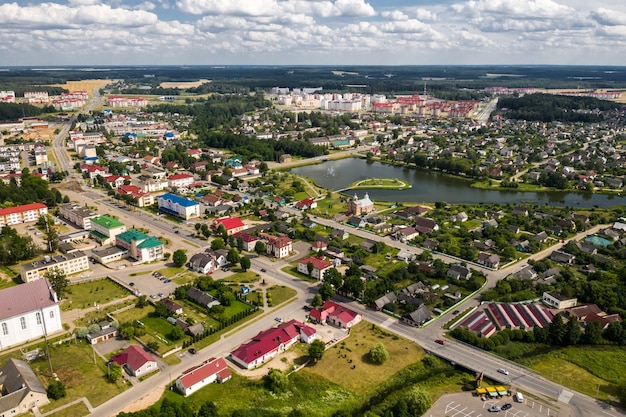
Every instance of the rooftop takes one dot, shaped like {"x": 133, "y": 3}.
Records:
{"x": 107, "y": 222}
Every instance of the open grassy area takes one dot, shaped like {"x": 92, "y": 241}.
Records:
{"x": 76, "y": 410}
{"x": 280, "y": 294}
{"x": 74, "y": 365}
{"x": 346, "y": 364}
{"x": 85, "y": 294}
{"x": 243, "y": 277}
{"x": 584, "y": 368}
{"x": 293, "y": 271}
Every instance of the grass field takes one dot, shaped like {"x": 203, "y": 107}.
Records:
{"x": 86, "y": 294}
{"x": 76, "y": 410}
{"x": 381, "y": 183}
{"x": 74, "y": 365}
{"x": 280, "y": 294}
{"x": 584, "y": 369}
{"x": 243, "y": 277}
{"x": 345, "y": 364}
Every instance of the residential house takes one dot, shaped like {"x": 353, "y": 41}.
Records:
{"x": 320, "y": 266}
{"x": 27, "y": 312}
{"x": 180, "y": 180}
{"x": 20, "y": 389}
{"x": 356, "y": 221}
{"x": 335, "y": 314}
{"x": 172, "y": 306}
{"x": 306, "y": 204}
{"x": 140, "y": 197}
{"x": 212, "y": 370}
{"x": 232, "y": 225}
{"x": 202, "y": 262}
{"x": 417, "y": 317}
{"x": 425, "y": 225}
{"x": 277, "y": 246}
{"x": 269, "y": 343}
{"x": 406, "y": 234}
{"x": 339, "y": 234}
{"x": 106, "y": 332}
{"x": 249, "y": 241}
{"x": 308, "y": 223}
{"x": 562, "y": 257}
{"x": 136, "y": 361}
{"x": 381, "y": 302}
{"x": 458, "y": 272}
{"x": 460, "y": 217}
{"x": 202, "y": 298}
{"x": 489, "y": 260}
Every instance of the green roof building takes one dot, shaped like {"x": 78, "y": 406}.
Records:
{"x": 105, "y": 228}
{"x": 141, "y": 247}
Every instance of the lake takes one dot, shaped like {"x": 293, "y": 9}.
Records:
{"x": 429, "y": 187}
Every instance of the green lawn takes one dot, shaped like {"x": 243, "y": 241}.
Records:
{"x": 345, "y": 363}
{"x": 74, "y": 365}
{"x": 76, "y": 410}
{"x": 242, "y": 277}
{"x": 86, "y": 294}
{"x": 584, "y": 368}
{"x": 280, "y": 294}
{"x": 383, "y": 183}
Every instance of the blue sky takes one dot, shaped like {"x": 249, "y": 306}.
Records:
{"x": 301, "y": 32}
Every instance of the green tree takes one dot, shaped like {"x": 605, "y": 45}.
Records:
{"x": 179, "y": 258}
{"x": 326, "y": 291}
{"x": 176, "y": 333}
{"x": 56, "y": 390}
{"x": 114, "y": 371}
{"x": 58, "y": 280}
{"x": 317, "y": 301}
{"x": 378, "y": 354}
{"x": 310, "y": 268}
{"x": 142, "y": 301}
{"x": 218, "y": 243}
{"x": 233, "y": 256}
{"x": 277, "y": 381}
{"x": 208, "y": 409}
{"x": 260, "y": 248}
{"x": 316, "y": 350}
{"x": 418, "y": 401}
{"x": 245, "y": 263}
{"x": 333, "y": 277}
{"x": 556, "y": 331}
{"x": 160, "y": 309}
{"x": 593, "y": 333}
{"x": 572, "y": 332}
{"x": 153, "y": 345}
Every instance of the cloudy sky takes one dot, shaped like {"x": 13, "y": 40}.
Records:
{"x": 300, "y": 32}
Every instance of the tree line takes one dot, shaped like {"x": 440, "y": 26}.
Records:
{"x": 15, "y": 111}
{"x": 551, "y": 107}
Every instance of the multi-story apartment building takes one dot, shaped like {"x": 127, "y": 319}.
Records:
{"x": 78, "y": 215}
{"x": 22, "y": 214}
{"x": 69, "y": 263}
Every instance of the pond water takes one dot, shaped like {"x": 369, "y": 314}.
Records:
{"x": 429, "y": 187}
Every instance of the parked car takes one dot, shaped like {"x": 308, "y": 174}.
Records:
{"x": 160, "y": 294}
{"x": 192, "y": 351}
{"x": 132, "y": 284}
{"x": 167, "y": 281}
{"x": 306, "y": 308}
{"x": 506, "y": 406}
{"x": 263, "y": 270}
{"x": 494, "y": 408}
{"x": 455, "y": 312}
{"x": 279, "y": 319}
{"x": 503, "y": 371}
{"x": 440, "y": 341}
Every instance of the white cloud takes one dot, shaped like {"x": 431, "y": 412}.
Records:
{"x": 228, "y": 7}
{"x": 608, "y": 17}
{"x": 83, "y": 2}
{"x": 394, "y": 15}
{"x": 519, "y": 8}
{"x": 425, "y": 15}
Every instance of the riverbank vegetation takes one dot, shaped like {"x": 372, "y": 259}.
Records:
{"x": 380, "y": 183}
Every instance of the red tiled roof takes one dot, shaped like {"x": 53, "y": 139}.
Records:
{"x": 319, "y": 264}
{"x": 246, "y": 237}
{"x": 209, "y": 368}
{"x": 21, "y": 209}
{"x": 133, "y": 356}
{"x": 269, "y": 340}
{"x": 179, "y": 176}
{"x": 229, "y": 222}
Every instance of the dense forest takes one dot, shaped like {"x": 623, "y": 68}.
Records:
{"x": 14, "y": 111}
{"x": 550, "y": 107}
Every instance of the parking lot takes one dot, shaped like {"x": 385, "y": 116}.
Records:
{"x": 467, "y": 404}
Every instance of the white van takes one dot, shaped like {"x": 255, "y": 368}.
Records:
{"x": 519, "y": 397}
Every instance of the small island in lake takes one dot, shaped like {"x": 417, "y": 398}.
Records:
{"x": 382, "y": 183}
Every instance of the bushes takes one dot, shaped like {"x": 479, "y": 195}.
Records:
{"x": 56, "y": 390}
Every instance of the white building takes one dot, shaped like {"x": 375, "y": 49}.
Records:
{"x": 27, "y": 312}
{"x": 69, "y": 263}
{"x": 178, "y": 206}
{"x": 212, "y": 370}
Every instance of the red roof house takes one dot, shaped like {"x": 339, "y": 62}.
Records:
{"x": 269, "y": 343}
{"x": 231, "y": 224}
{"x": 335, "y": 314}
{"x": 307, "y": 203}
{"x": 212, "y": 370}
{"x": 136, "y": 361}
{"x": 319, "y": 267}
